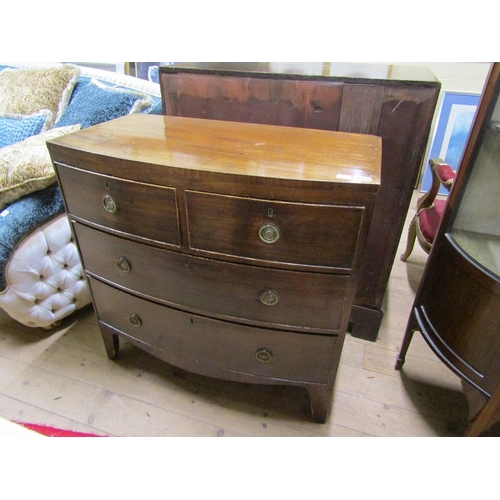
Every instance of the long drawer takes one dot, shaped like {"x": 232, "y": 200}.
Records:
{"x": 135, "y": 208}
{"x": 282, "y": 232}
{"x": 224, "y": 346}
{"x": 275, "y": 297}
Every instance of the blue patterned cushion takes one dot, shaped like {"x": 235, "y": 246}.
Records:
{"x": 24, "y": 215}
{"x": 15, "y": 128}
{"x": 156, "y": 108}
{"x": 93, "y": 103}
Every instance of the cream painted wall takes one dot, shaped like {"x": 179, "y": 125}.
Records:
{"x": 458, "y": 76}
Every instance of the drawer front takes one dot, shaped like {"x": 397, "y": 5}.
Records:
{"x": 143, "y": 210}
{"x": 281, "y": 232}
{"x": 275, "y": 297}
{"x": 187, "y": 339}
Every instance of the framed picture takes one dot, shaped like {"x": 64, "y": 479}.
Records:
{"x": 454, "y": 124}
{"x": 145, "y": 70}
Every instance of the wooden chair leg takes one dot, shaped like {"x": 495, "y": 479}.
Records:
{"x": 412, "y": 236}
{"x": 111, "y": 341}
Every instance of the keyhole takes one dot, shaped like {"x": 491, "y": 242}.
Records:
{"x": 270, "y": 213}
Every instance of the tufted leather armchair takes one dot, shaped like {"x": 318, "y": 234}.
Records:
{"x": 45, "y": 277}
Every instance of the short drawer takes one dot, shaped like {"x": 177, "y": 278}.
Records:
{"x": 188, "y": 340}
{"x": 139, "y": 209}
{"x": 275, "y": 297}
{"x": 282, "y": 232}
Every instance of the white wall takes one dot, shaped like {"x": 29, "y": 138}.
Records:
{"x": 468, "y": 77}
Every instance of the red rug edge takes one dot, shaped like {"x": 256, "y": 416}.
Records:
{"x": 54, "y": 432}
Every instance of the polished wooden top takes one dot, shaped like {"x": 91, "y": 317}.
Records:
{"x": 235, "y": 148}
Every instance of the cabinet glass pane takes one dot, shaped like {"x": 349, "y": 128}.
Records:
{"x": 476, "y": 227}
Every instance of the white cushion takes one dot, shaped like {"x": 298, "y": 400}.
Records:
{"x": 45, "y": 280}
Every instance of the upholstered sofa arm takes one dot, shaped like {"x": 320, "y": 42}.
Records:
{"x": 44, "y": 276}
{"x": 41, "y": 278}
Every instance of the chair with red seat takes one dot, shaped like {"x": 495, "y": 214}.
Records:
{"x": 430, "y": 210}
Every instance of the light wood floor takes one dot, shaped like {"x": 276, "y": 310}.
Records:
{"x": 64, "y": 379}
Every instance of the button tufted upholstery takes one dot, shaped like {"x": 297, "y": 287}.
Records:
{"x": 45, "y": 279}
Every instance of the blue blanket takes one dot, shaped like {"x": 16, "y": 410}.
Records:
{"x": 23, "y": 216}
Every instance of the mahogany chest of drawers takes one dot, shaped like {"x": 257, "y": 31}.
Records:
{"x": 227, "y": 249}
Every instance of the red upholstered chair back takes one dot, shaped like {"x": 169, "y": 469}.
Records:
{"x": 430, "y": 210}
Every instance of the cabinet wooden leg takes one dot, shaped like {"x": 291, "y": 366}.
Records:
{"x": 410, "y": 330}
{"x": 321, "y": 400}
{"x": 111, "y": 342}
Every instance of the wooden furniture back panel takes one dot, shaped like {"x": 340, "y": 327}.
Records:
{"x": 285, "y": 102}
{"x": 403, "y": 125}
{"x": 361, "y": 108}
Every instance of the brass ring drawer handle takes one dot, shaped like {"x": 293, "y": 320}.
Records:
{"x": 269, "y": 233}
{"x": 269, "y": 298}
{"x": 109, "y": 204}
{"x": 264, "y": 355}
{"x": 135, "y": 319}
{"x": 124, "y": 265}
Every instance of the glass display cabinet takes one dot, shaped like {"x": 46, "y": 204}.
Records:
{"x": 457, "y": 306}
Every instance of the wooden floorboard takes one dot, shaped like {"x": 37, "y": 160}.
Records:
{"x": 64, "y": 379}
